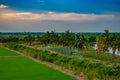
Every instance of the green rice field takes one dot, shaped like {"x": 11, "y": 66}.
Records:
{"x": 22, "y": 68}
{"x": 5, "y": 52}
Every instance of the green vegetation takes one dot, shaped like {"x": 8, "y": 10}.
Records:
{"x": 21, "y": 68}
{"x": 106, "y": 40}
{"x": 5, "y": 52}
{"x": 65, "y": 51}
{"x": 93, "y": 69}
{"x": 104, "y": 57}
{"x": 73, "y": 51}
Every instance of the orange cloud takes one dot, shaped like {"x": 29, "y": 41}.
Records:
{"x": 53, "y": 16}
{"x": 2, "y": 6}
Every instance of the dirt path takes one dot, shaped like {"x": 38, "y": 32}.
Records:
{"x": 47, "y": 64}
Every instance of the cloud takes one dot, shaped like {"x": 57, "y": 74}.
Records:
{"x": 2, "y": 6}
{"x": 11, "y": 20}
{"x": 28, "y": 16}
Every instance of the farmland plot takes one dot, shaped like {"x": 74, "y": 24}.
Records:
{"x": 22, "y": 68}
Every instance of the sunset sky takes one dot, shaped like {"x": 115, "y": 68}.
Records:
{"x": 59, "y": 15}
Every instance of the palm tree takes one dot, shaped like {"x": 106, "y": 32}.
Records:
{"x": 103, "y": 42}
{"x": 91, "y": 40}
{"x": 29, "y": 39}
{"x": 118, "y": 42}
{"x": 80, "y": 43}
{"x": 115, "y": 43}
{"x": 100, "y": 44}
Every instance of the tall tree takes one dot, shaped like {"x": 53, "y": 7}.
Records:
{"x": 103, "y": 41}
{"x": 28, "y": 39}
{"x": 115, "y": 43}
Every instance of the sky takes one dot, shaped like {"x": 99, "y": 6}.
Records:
{"x": 59, "y": 15}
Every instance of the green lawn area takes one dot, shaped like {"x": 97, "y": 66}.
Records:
{"x": 5, "y": 52}
{"x": 22, "y": 68}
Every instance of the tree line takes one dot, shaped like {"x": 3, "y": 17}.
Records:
{"x": 71, "y": 40}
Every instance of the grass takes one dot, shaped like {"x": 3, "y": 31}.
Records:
{"x": 22, "y": 68}
{"x": 5, "y": 52}
{"x": 91, "y": 53}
